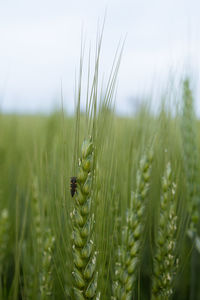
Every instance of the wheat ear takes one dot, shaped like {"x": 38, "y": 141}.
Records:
{"x": 129, "y": 252}
{"x": 84, "y": 254}
{"x": 47, "y": 266}
{"x": 165, "y": 262}
{"x": 4, "y": 235}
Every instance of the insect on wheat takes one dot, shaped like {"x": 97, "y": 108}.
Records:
{"x": 73, "y": 185}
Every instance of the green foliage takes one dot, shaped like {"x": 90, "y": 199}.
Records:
{"x": 41, "y": 251}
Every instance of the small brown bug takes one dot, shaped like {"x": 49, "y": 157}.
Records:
{"x": 73, "y": 185}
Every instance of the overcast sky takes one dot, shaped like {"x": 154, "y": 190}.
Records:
{"x": 40, "y": 45}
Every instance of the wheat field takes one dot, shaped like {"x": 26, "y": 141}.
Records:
{"x": 126, "y": 226}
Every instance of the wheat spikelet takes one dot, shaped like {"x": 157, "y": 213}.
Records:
{"x": 132, "y": 235}
{"x": 36, "y": 214}
{"x": 4, "y": 235}
{"x": 47, "y": 266}
{"x": 190, "y": 151}
{"x": 165, "y": 262}
{"x": 84, "y": 254}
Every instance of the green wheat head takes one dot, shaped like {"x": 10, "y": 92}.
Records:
{"x": 46, "y": 280}
{"x": 165, "y": 262}
{"x": 128, "y": 256}
{"x": 84, "y": 253}
{"x": 4, "y": 236}
{"x": 191, "y": 157}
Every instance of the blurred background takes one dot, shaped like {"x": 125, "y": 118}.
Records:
{"x": 41, "y": 42}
